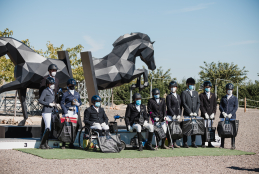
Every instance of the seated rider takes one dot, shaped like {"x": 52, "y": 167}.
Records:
{"x": 135, "y": 118}
{"x": 95, "y": 116}
{"x": 70, "y": 103}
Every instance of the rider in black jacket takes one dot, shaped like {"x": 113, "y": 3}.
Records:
{"x": 136, "y": 118}
{"x": 157, "y": 110}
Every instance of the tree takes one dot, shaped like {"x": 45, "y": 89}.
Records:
{"x": 213, "y": 71}
{"x": 7, "y": 66}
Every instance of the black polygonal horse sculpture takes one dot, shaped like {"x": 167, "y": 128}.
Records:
{"x": 118, "y": 67}
{"x": 30, "y": 68}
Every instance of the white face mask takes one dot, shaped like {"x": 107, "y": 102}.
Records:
{"x": 229, "y": 92}
{"x": 53, "y": 74}
{"x": 173, "y": 89}
{"x": 52, "y": 86}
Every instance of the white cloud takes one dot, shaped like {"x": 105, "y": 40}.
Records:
{"x": 94, "y": 46}
{"x": 193, "y": 8}
{"x": 243, "y": 42}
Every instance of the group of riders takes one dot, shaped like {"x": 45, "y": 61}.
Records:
{"x": 137, "y": 115}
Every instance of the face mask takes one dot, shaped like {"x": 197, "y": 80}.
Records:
{"x": 157, "y": 96}
{"x": 53, "y": 74}
{"x": 230, "y": 92}
{"x": 138, "y": 102}
{"x": 207, "y": 89}
{"x": 173, "y": 89}
{"x": 52, "y": 86}
{"x": 97, "y": 104}
{"x": 191, "y": 87}
{"x": 71, "y": 87}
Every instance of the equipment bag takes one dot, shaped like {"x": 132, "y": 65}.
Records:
{"x": 159, "y": 132}
{"x": 210, "y": 133}
{"x": 110, "y": 143}
{"x": 227, "y": 128}
{"x": 113, "y": 127}
{"x": 67, "y": 133}
{"x": 175, "y": 130}
{"x": 55, "y": 124}
{"x": 193, "y": 127}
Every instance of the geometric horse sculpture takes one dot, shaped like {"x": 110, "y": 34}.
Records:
{"x": 30, "y": 68}
{"x": 118, "y": 67}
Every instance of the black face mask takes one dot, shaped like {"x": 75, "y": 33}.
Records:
{"x": 71, "y": 87}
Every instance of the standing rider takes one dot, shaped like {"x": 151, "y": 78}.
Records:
{"x": 135, "y": 118}
{"x": 157, "y": 110}
{"x": 208, "y": 107}
{"x": 173, "y": 103}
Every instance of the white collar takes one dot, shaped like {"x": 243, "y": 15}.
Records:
{"x": 97, "y": 109}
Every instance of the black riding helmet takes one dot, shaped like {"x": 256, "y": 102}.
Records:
{"x": 136, "y": 95}
{"x": 172, "y": 84}
{"x": 71, "y": 82}
{"x": 207, "y": 83}
{"x": 96, "y": 98}
{"x": 155, "y": 91}
{"x": 190, "y": 81}
{"x": 230, "y": 86}
{"x": 50, "y": 80}
{"x": 52, "y": 67}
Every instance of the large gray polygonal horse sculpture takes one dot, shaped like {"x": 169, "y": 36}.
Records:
{"x": 118, "y": 67}
{"x": 30, "y": 68}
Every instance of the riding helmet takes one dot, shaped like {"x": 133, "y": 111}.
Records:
{"x": 50, "y": 80}
{"x": 190, "y": 81}
{"x": 155, "y": 91}
{"x": 207, "y": 83}
{"x": 96, "y": 98}
{"x": 172, "y": 84}
{"x": 230, "y": 86}
{"x": 71, "y": 82}
{"x": 136, "y": 95}
{"x": 52, "y": 67}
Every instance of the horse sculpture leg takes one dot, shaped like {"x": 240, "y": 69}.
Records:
{"x": 22, "y": 96}
{"x": 137, "y": 74}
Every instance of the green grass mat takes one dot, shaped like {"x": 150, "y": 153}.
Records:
{"x": 81, "y": 154}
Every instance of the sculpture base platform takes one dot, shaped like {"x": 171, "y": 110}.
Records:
{"x": 10, "y": 131}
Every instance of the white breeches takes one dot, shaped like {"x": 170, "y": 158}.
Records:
{"x": 148, "y": 126}
{"x": 99, "y": 126}
{"x": 47, "y": 120}
{"x": 210, "y": 123}
{"x": 72, "y": 114}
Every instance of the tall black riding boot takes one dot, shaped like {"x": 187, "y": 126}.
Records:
{"x": 233, "y": 143}
{"x": 140, "y": 141}
{"x": 163, "y": 146}
{"x": 169, "y": 140}
{"x": 222, "y": 143}
{"x": 185, "y": 142}
{"x": 203, "y": 141}
{"x": 148, "y": 144}
{"x": 175, "y": 145}
{"x": 193, "y": 141}
{"x": 44, "y": 139}
{"x": 47, "y": 142}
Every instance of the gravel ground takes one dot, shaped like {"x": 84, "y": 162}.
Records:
{"x": 247, "y": 140}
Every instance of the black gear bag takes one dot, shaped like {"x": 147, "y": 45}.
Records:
{"x": 193, "y": 127}
{"x": 159, "y": 132}
{"x": 110, "y": 143}
{"x": 228, "y": 128}
{"x": 67, "y": 132}
{"x": 175, "y": 130}
{"x": 210, "y": 133}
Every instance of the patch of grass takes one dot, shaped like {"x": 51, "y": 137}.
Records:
{"x": 81, "y": 154}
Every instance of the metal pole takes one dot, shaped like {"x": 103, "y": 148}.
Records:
{"x": 237, "y": 92}
{"x": 130, "y": 95}
{"x": 151, "y": 88}
{"x": 216, "y": 85}
{"x": 15, "y": 101}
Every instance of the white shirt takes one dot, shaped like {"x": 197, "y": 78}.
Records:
{"x": 157, "y": 100}
{"x": 174, "y": 93}
{"x": 97, "y": 109}
{"x": 50, "y": 90}
{"x": 208, "y": 94}
{"x": 228, "y": 96}
{"x": 138, "y": 107}
{"x": 189, "y": 91}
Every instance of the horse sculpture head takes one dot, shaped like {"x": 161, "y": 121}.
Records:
{"x": 137, "y": 44}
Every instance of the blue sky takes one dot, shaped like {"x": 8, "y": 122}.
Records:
{"x": 187, "y": 33}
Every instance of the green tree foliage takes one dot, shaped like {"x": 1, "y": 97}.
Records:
{"x": 231, "y": 72}
{"x": 7, "y": 66}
